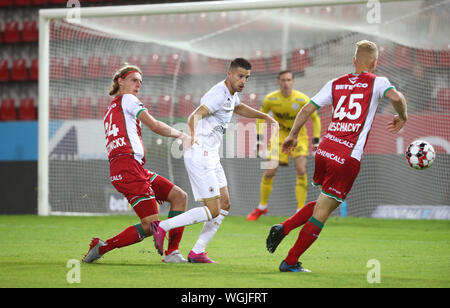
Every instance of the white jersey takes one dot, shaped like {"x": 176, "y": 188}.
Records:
{"x": 220, "y": 103}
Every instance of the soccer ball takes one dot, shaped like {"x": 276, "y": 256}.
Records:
{"x": 420, "y": 154}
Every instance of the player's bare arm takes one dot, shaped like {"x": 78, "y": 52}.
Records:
{"x": 162, "y": 128}
{"x": 300, "y": 120}
{"x": 198, "y": 114}
{"x": 249, "y": 112}
{"x": 399, "y": 103}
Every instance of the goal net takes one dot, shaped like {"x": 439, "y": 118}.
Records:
{"x": 184, "y": 49}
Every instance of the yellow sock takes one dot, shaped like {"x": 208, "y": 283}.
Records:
{"x": 266, "y": 190}
{"x": 301, "y": 188}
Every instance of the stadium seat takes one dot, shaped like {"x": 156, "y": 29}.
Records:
{"x": 215, "y": 66}
{"x": 275, "y": 63}
{"x": 443, "y": 100}
{"x": 181, "y": 24}
{"x": 426, "y": 57}
{"x": 259, "y": 63}
{"x": 102, "y": 105}
{"x": 22, "y": 2}
{"x": 8, "y": 110}
{"x": 57, "y": 1}
{"x": 194, "y": 64}
{"x": 39, "y": 2}
{"x": 402, "y": 57}
{"x": 185, "y": 105}
{"x": 19, "y": 70}
{"x": 27, "y": 111}
{"x": 444, "y": 58}
{"x": 154, "y": 66}
{"x": 201, "y": 23}
{"x": 34, "y": 69}
{"x": 57, "y": 68}
{"x": 135, "y": 60}
{"x": 75, "y": 67}
{"x": 349, "y": 13}
{"x": 251, "y": 99}
{"x": 112, "y": 65}
{"x": 172, "y": 65}
{"x": 164, "y": 105}
{"x": 95, "y": 68}
{"x": 300, "y": 60}
{"x": 85, "y": 109}
{"x": 383, "y": 56}
{"x": 327, "y": 12}
{"x": 4, "y": 3}
{"x": 11, "y": 32}
{"x": 66, "y": 31}
{"x": 4, "y": 70}
{"x": 30, "y": 31}
{"x": 65, "y": 108}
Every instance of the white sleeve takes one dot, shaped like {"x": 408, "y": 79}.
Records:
{"x": 381, "y": 86}
{"x": 211, "y": 101}
{"x": 324, "y": 96}
{"x": 132, "y": 105}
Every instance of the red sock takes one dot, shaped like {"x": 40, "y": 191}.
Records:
{"x": 299, "y": 218}
{"x": 308, "y": 234}
{"x": 175, "y": 235}
{"x": 127, "y": 237}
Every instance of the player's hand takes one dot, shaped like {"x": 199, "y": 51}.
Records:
{"x": 289, "y": 143}
{"x": 186, "y": 140}
{"x": 396, "y": 124}
{"x": 315, "y": 145}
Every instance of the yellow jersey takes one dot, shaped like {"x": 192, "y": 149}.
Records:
{"x": 285, "y": 109}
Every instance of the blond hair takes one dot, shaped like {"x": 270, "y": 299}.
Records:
{"x": 366, "y": 51}
{"x": 120, "y": 73}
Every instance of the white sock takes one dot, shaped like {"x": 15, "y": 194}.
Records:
{"x": 193, "y": 216}
{"x": 209, "y": 230}
{"x": 262, "y": 207}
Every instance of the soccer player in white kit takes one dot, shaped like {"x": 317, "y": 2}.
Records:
{"x": 207, "y": 125}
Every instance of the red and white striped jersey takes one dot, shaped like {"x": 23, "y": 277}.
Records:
{"x": 123, "y": 129}
{"x": 355, "y": 100}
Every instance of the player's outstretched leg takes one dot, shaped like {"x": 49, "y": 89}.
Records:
{"x": 94, "y": 254}
{"x": 276, "y": 235}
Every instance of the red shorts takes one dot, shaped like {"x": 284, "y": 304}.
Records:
{"x": 141, "y": 187}
{"x": 335, "y": 170}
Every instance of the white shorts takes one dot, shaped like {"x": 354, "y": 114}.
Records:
{"x": 205, "y": 172}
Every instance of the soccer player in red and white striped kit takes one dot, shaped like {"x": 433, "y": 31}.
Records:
{"x": 126, "y": 154}
{"x": 354, "y": 98}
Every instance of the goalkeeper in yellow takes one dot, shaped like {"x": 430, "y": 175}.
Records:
{"x": 285, "y": 104}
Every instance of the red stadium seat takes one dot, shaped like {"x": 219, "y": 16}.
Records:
{"x": 4, "y": 3}
{"x": 75, "y": 68}
{"x": 8, "y": 110}
{"x": 66, "y": 31}
{"x": 426, "y": 57}
{"x": 327, "y": 12}
{"x": 154, "y": 66}
{"x": 65, "y": 108}
{"x": 259, "y": 63}
{"x": 402, "y": 57}
{"x": 173, "y": 65}
{"x": 194, "y": 64}
{"x": 22, "y": 2}
{"x": 34, "y": 69}
{"x": 112, "y": 65}
{"x": 135, "y": 60}
{"x": 383, "y": 57}
{"x": 95, "y": 68}
{"x": 12, "y": 32}
{"x": 164, "y": 105}
{"x": 27, "y": 111}
{"x": 39, "y": 2}
{"x": 444, "y": 58}
{"x": 275, "y": 63}
{"x": 4, "y": 70}
{"x": 19, "y": 70}
{"x": 201, "y": 23}
{"x": 57, "y": 68}
{"x": 30, "y": 31}
{"x": 185, "y": 105}
{"x": 443, "y": 100}
{"x": 300, "y": 60}
{"x": 102, "y": 105}
{"x": 251, "y": 99}
{"x": 350, "y": 13}
{"x": 85, "y": 109}
{"x": 215, "y": 66}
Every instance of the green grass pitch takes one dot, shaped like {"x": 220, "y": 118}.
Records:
{"x": 34, "y": 252}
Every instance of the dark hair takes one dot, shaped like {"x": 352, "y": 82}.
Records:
{"x": 240, "y": 62}
{"x": 285, "y": 72}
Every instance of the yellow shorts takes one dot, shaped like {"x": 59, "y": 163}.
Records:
{"x": 275, "y": 152}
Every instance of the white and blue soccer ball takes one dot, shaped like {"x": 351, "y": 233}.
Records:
{"x": 420, "y": 154}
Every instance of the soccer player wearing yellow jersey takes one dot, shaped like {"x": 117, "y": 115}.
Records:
{"x": 285, "y": 104}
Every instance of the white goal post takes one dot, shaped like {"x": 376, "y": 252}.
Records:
{"x": 289, "y": 28}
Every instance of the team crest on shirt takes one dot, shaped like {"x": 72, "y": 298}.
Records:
{"x": 295, "y": 106}
{"x": 353, "y": 79}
